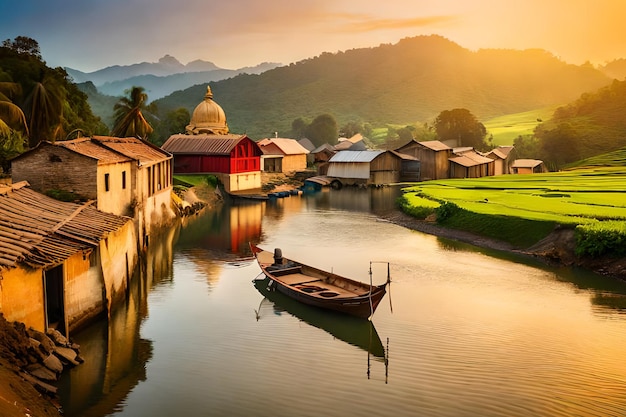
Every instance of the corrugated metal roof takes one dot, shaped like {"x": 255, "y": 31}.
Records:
{"x": 134, "y": 148}
{"x": 41, "y": 231}
{"x": 355, "y": 156}
{"x": 202, "y": 144}
{"x": 435, "y": 145}
{"x": 286, "y": 146}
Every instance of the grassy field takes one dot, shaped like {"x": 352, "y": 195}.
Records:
{"x": 594, "y": 197}
{"x": 506, "y": 128}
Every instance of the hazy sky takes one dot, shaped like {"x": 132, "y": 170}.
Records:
{"x": 92, "y": 34}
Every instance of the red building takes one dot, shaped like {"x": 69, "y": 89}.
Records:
{"x": 208, "y": 148}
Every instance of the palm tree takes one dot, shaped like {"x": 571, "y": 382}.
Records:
{"x": 11, "y": 115}
{"x": 129, "y": 120}
{"x": 13, "y": 127}
{"x": 44, "y": 111}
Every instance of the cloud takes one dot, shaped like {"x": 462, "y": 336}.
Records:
{"x": 365, "y": 23}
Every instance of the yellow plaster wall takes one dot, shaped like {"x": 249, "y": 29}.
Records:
{"x": 242, "y": 182}
{"x": 118, "y": 199}
{"x": 115, "y": 250}
{"x": 83, "y": 289}
{"x": 22, "y": 296}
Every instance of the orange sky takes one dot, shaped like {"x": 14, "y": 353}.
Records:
{"x": 91, "y": 35}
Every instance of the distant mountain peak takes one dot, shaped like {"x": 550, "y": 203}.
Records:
{"x": 170, "y": 61}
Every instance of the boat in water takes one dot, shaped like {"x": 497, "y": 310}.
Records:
{"x": 350, "y": 329}
{"x": 314, "y": 287}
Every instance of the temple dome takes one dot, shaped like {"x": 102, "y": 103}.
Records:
{"x": 208, "y": 117}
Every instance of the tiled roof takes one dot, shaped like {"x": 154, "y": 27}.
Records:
{"x": 202, "y": 144}
{"x": 134, "y": 148}
{"x": 40, "y": 231}
{"x": 85, "y": 146}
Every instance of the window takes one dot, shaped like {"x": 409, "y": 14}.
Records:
{"x": 123, "y": 180}
{"x": 106, "y": 182}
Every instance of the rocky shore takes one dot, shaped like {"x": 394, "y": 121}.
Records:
{"x": 30, "y": 363}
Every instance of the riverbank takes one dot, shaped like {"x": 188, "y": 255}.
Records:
{"x": 558, "y": 248}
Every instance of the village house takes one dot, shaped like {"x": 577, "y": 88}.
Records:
{"x": 527, "y": 166}
{"x": 125, "y": 176}
{"x": 433, "y": 156}
{"x": 206, "y": 147}
{"x": 61, "y": 264}
{"x": 364, "y": 168}
{"x": 503, "y": 157}
{"x": 467, "y": 163}
{"x": 282, "y": 155}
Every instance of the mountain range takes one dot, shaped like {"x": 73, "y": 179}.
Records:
{"x": 409, "y": 82}
{"x": 161, "y": 78}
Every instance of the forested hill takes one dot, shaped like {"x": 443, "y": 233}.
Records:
{"x": 408, "y": 82}
{"x": 591, "y": 125}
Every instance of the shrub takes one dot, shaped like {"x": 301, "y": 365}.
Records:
{"x": 419, "y": 212}
{"x": 601, "y": 239}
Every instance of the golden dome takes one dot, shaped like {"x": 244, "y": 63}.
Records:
{"x": 208, "y": 117}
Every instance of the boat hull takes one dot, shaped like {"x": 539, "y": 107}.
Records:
{"x": 318, "y": 288}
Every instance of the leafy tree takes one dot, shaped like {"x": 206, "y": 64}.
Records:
{"x": 462, "y": 126}
{"x": 129, "y": 119}
{"x": 174, "y": 122}
{"x": 527, "y": 147}
{"x": 350, "y": 129}
{"x": 559, "y": 145}
{"x": 23, "y": 45}
{"x": 323, "y": 129}
{"x": 298, "y": 128}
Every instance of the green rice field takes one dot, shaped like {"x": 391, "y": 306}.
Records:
{"x": 576, "y": 196}
{"x": 505, "y": 129}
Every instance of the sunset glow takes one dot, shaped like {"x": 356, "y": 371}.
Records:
{"x": 92, "y": 35}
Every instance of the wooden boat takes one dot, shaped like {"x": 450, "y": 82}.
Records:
{"x": 319, "y": 288}
{"x": 355, "y": 331}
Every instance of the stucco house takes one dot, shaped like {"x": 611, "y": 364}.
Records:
{"x": 61, "y": 264}
{"x": 125, "y": 176}
{"x": 282, "y": 155}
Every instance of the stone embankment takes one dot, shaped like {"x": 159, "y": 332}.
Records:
{"x": 30, "y": 363}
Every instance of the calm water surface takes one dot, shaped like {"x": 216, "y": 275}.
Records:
{"x": 462, "y": 332}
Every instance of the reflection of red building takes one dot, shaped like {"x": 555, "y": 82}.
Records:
{"x": 208, "y": 148}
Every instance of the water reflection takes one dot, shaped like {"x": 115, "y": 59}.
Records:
{"x": 353, "y": 330}
{"x": 474, "y": 332}
{"x": 114, "y": 352}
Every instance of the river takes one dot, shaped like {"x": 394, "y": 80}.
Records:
{"x": 462, "y": 331}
